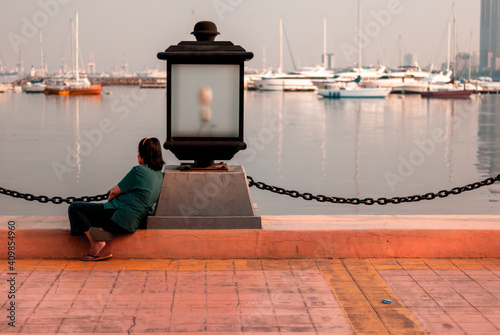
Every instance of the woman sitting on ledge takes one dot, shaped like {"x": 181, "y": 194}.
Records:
{"x": 128, "y": 202}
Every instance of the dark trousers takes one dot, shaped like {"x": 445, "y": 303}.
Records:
{"x": 83, "y": 215}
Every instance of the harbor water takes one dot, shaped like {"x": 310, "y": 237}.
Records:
{"x": 399, "y": 146}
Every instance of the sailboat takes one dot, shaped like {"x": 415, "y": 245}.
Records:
{"x": 300, "y": 80}
{"x": 36, "y": 85}
{"x": 355, "y": 92}
{"x": 75, "y": 83}
{"x": 446, "y": 91}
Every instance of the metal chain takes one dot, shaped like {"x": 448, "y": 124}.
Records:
{"x": 279, "y": 190}
{"x": 56, "y": 200}
{"x": 372, "y": 201}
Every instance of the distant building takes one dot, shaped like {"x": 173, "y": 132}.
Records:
{"x": 410, "y": 59}
{"x": 91, "y": 65}
{"x": 475, "y": 61}
{"x": 463, "y": 61}
{"x": 330, "y": 58}
{"x": 489, "y": 46}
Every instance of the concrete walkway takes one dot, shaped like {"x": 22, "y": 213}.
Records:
{"x": 308, "y": 296}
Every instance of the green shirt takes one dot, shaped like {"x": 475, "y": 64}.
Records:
{"x": 141, "y": 189}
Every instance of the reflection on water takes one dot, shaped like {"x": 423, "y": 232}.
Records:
{"x": 488, "y": 149}
{"x": 400, "y": 146}
{"x": 78, "y": 140}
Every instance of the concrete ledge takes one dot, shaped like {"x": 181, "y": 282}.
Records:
{"x": 281, "y": 237}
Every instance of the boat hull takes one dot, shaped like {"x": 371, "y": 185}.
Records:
{"x": 93, "y": 89}
{"x": 410, "y": 89}
{"x": 337, "y": 93}
{"x": 448, "y": 94}
{"x": 56, "y": 91}
{"x": 90, "y": 90}
{"x": 34, "y": 89}
{"x": 284, "y": 85}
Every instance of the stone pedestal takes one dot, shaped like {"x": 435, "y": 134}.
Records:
{"x": 204, "y": 199}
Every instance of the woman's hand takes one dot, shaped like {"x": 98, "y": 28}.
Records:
{"x": 114, "y": 192}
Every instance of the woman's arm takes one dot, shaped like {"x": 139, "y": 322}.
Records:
{"x": 114, "y": 192}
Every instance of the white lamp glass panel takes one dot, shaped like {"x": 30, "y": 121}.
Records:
{"x": 205, "y": 100}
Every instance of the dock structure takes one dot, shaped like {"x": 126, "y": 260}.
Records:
{"x": 109, "y": 81}
{"x": 487, "y": 91}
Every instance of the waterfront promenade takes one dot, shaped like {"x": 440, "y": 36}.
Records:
{"x": 299, "y": 274}
{"x": 307, "y": 296}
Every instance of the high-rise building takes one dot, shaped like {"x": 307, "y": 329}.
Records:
{"x": 490, "y": 35}
{"x": 410, "y": 59}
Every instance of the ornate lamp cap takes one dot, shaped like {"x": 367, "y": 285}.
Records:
{"x": 205, "y": 31}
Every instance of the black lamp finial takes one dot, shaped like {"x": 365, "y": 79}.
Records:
{"x": 205, "y": 31}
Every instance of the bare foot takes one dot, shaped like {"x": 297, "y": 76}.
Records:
{"x": 95, "y": 246}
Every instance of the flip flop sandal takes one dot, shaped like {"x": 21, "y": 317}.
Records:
{"x": 99, "y": 234}
{"x": 90, "y": 257}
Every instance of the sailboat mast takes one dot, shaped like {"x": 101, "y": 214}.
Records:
{"x": 41, "y": 54}
{"x": 454, "y": 43}
{"x": 76, "y": 49}
{"x": 72, "y": 32}
{"x": 449, "y": 48}
{"x": 470, "y": 56}
{"x": 324, "y": 42}
{"x": 280, "y": 70}
{"x": 359, "y": 36}
{"x": 400, "y": 52}
{"x": 264, "y": 61}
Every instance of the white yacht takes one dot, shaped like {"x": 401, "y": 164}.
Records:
{"x": 4, "y": 87}
{"x": 302, "y": 80}
{"x": 354, "y": 92}
{"x": 34, "y": 86}
{"x": 487, "y": 83}
{"x": 405, "y": 75}
{"x": 334, "y": 91}
{"x": 432, "y": 81}
{"x": 349, "y": 78}
{"x": 151, "y": 73}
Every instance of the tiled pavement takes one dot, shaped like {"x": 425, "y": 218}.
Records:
{"x": 429, "y": 296}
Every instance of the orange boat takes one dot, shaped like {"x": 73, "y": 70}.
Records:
{"x": 72, "y": 86}
{"x": 74, "y": 83}
{"x": 92, "y": 89}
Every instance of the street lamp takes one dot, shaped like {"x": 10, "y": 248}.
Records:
{"x": 205, "y": 97}
{"x": 205, "y": 123}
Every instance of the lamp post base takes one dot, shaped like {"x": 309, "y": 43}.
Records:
{"x": 205, "y": 199}
{"x": 196, "y": 166}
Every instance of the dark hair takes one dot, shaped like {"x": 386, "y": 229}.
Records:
{"x": 150, "y": 151}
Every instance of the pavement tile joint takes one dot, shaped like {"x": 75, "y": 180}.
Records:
{"x": 308, "y": 296}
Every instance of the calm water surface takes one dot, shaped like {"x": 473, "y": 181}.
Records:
{"x": 399, "y": 146}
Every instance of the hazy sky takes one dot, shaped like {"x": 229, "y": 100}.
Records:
{"x": 133, "y": 30}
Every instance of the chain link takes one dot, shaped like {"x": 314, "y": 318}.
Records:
{"x": 55, "y": 200}
{"x": 279, "y": 190}
{"x": 372, "y": 201}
